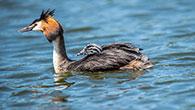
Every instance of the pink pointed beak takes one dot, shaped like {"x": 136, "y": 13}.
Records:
{"x": 26, "y": 29}
{"x": 81, "y": 52}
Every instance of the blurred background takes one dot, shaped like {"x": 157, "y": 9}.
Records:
{"x": 163, "y": 28}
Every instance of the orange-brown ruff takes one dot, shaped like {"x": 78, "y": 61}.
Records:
{"x": 116, "y": 56}
{"x": 50, "y": 27}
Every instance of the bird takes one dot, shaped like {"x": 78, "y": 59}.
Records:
{"x": 115, "y": 56}
{"x": 90, "y": 49}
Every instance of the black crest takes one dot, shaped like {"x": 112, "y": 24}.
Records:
{"x": 44, "y": 14}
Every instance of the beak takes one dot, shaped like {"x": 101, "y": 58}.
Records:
{"x": 81, "y": 53}
{"x": 25, "y": 29}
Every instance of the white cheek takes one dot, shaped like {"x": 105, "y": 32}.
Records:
{"x": 38, "y": 27}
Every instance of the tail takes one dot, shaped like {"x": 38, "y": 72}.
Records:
{"x": 138, "y": 64}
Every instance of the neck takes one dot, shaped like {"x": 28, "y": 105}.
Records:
{"x": 60, "y": 58}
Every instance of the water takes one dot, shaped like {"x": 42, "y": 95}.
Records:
{"x": 164, "y": 29}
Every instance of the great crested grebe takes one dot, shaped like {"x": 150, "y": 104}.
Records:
{"x": 90, "y": 49}
{"x": 116, "y": 56}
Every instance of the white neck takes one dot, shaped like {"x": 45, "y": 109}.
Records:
{"x": 60, "y": 59}
{"x": 56, "y": 56}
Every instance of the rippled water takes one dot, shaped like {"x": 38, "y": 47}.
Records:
{"x": 163, "y": 28}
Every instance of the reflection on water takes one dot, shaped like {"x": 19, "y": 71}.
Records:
{"x": 60, "y": 80}
{"x": 164, "y": 29}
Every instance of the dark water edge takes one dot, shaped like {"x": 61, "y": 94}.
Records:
{"x": 164, "y": 29}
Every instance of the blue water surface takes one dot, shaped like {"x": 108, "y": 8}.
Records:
{"x": 165, "y": 29}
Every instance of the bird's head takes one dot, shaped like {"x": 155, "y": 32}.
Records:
{"x": 50, "y": 27}
{"x": 90, "y": 49}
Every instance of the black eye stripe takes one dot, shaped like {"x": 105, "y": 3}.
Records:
{"x": 89, "y": 46}
{"x": 94, "y": 49}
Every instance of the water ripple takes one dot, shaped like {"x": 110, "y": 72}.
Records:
{"x": 164, "y": 29}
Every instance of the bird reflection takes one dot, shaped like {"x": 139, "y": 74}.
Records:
{"x": 60, "y": 80}
{"x": 61, "y": 83}
{"x": 128, "y": 75}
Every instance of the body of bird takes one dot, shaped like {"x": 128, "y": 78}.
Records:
{"x": 116, "y": 56}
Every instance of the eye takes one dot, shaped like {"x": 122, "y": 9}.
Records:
{"x": 35, "y": 24}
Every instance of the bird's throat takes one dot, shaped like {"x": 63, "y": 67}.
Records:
{"x": 60, "y": 57}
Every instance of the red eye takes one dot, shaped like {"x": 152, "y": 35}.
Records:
{"x": 35, "y": 24}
